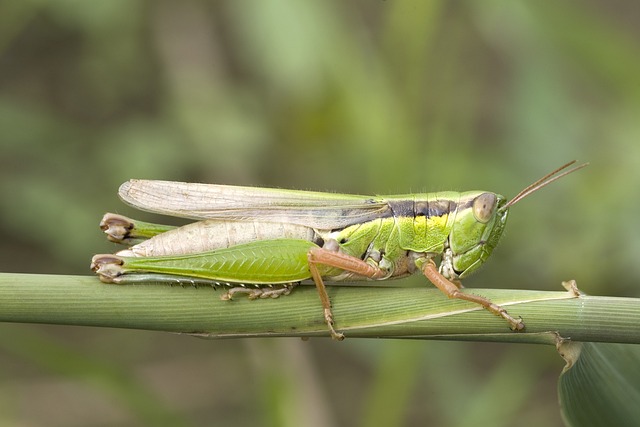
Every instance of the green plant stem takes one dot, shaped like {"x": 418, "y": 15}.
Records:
{"x": 360, "y": 311}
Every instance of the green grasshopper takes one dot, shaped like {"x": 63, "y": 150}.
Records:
{"x": 263, "y": 242}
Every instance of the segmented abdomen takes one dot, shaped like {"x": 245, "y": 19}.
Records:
{"x": 203, "y": 236}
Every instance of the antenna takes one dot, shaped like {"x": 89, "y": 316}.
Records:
{"x": 543, "y": 182}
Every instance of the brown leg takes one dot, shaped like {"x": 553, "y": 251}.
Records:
{"x": 255, "y": 293}
{"x": 116, "y": 227}
{"x": 451, "y": 290}
{"x": 339, "y": 260}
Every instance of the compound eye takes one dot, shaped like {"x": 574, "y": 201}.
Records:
{"x": 484, "y": 206}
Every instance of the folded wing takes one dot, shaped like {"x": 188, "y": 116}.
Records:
{"x": 322, "y": 211}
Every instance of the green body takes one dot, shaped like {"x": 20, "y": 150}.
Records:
{"x": 264, "y": 237}
{"x": 396, "y": 233}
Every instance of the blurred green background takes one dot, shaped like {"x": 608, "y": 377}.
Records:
{"x": 374, "y": 97}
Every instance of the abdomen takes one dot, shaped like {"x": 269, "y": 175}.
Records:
{"x": 203, "y": 236}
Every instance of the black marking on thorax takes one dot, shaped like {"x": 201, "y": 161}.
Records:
{"x": 429, "y": 208}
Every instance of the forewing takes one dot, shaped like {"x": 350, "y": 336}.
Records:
{"x": 323, "y": 211}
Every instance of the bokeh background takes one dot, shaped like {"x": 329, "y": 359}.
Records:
{"x": 373, "y": 97}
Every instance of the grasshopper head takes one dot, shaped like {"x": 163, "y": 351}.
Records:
{"x": 479, "y": 223}
{"x": 477, "y": 228}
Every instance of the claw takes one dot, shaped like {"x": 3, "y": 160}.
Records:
{"x": 328, "y": 317}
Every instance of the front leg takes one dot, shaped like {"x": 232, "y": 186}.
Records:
{"x": 450, "y": 289}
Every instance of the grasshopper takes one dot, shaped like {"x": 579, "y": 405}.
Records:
{"x": 263, "y": 242}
